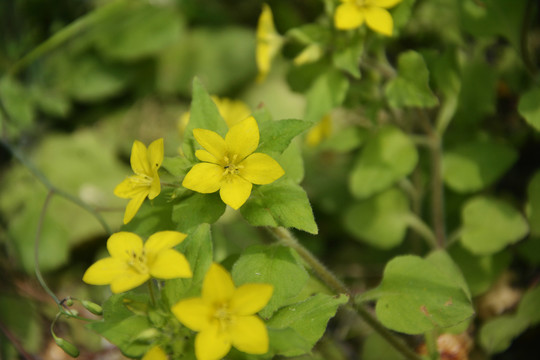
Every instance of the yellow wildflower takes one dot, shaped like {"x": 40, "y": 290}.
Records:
{"x": 320, "y": 131}
{"x": 145, "y": 164}
{"x": 155, "y": 353}
{"x": 131, "y": 263}
{"x": 352, "y": 14}
{"x": 225, "y": 316}
{"x": 229, "y": 165}
{"x": 269, "y": 42}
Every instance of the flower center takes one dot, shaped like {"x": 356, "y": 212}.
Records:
{"x": 223, "y": 315}
{"x": 138, "y": 261}
{"x": 230, "y": 166}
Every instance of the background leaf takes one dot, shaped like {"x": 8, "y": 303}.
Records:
{"x": 529, "y": 107}
{"x": 327, "y": 92}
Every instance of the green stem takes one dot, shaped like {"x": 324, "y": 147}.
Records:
{"x": 431, "y": 344}
{"x": 423, "y": 230}
{"x": 65, "y": 34}
{"x": 151, "y": 291}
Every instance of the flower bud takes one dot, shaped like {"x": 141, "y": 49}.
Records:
{"x": 92, "y": 307}
{"x": 147, "y": 335}
{"x": 68, "y": 347}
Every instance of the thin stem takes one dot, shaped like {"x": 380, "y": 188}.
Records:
{"x": 431, "y": 344}
{"x": 423, "y": 230}
{"x": 151, "y": 291}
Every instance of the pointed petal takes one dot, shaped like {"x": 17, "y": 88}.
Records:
{"x": 169, "y": 264}
{"x": 348, "y": 16}
{"x": 122, "y": 244}
{"x": 155, "y": 353}
{"x": 155, "y": 186}
{"x": 163, "y": 240}
{"x": 249, "y": 334}
{"x": 212, "y": 344}
{"x": 134, "y": 205}
{"x": 204, "y": 178}
{"x": 193, "y": 313}
{"x": 218, "y": 285}
{"x": 379, "y": 20}
{"x": 127, "y": 188}
{"x": 211, "y": 141}
{"x": 243, "y": 138}
{"x": 129, "y": 280}
{"x": 387, "y": 4}
{"x": 260, "y": 169}
{"x": 139, "y": 159}
{"x": 155, "y": 154}
{"x": 204, "y": 155}
{"x": 103, "y": 271}
{"x": 249, "y": 299}
{"x": 235, "y": 191}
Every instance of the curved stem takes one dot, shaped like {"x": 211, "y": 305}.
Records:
{"x": 423, "y": 230}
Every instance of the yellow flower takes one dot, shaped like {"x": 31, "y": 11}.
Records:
{"x": 155, "y": 353}
{"x": 229, "y": 165}
{"x": 352, "y": 14}
{"x": 320, "y": 131}
{"x": 145, "y": 164}
{"x": 131, "y": 263}
{"x": 268, "y": 42}
{"x": 225, "y": 316}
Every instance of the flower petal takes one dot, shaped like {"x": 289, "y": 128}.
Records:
{"x": 235, "y": 191}
{"x": 249, "y": 299}
{"x": 129, "y": 280}
{"x": 139, "y": 159}
{"x": 193, "y": 313}
{"x": 211, "y": 141}
{"x": 163, "y": 240}
{"x": 379, "y": 20}
{"x": 249, "y": 334}
{"x": 134, "y": 205}
{"x": 155, "y": 154}
{"x": 218, "y": 285}
{"x": 122, "y": 244}
{"x": 387, "y": 4}
{"x": 155, "y": 353}
{"x": 260, "y": 169}
{"x": 169, "y": 264}
{"x": 128, "y": 188}
{"x": 212, "y": 344}
{"x": 204, "y": 178}
{"x": 243, "y": 138}
{"x": 204, "y": 155}
{"x": 155, "y": 187}
{"x": 104, "y": 271}
{"x": 348, "y": 16}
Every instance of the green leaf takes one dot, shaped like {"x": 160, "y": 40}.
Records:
{"x": 377, "y": 348}
{"x": 533, "y": 213}
{"x": 204, "y": 114}
{"x": 308, "y": 318}
{"x": 345, "y": 140}
{"x": 197, "y": 209}
{"x": 528, "y": 306}
{"x": 529, "y": 107}
{"x": 18, "y": 102}
{"x": 445, "y": 263}
{"x": 327, "y": 92}
{"x": 497, "y": 334}
{"x": 281, "y": 203}
{"x": 292, "y": 162}
{"x": 287, "y": 342}
{"x": 347, "y": 53}
{"x": 411, "y": 87}
{"x": 277, "y": 135}
{"x": 275, "y": 265}
{"x": 387, "y": 157}
{"x": 489, "y": 225}
{"x": 417, "y": 295}
{"x": 50, "y": 101}
{"x": 177, "y": 166}
{"x": 154, "y": 215}
{"x": 140, "y": 30}
{"x": 473, "y": 166}
{"x": 198, "y": 249}
{"x": 380, "y": 221}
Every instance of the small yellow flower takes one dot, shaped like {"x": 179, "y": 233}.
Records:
{"x": 320, "y": 131}
{"x": 155, "y": 353}
{"x": 225, "y": 316}
{"x": 145, "y": 164}
{"x": 229, "y": 165}
{"x": 131, "y": 263}
{"x": 269, "y": 42}
{"x": 352, "y": 14}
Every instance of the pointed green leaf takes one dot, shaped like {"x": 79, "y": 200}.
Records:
{"x": 327, "y": 92}
{"x": 347, "y": 53}
{"x": 529, "y": 107}
{"x": 277, "y": 135}
{"x": 197, "y": 209}
{"x": 287, "y": 342}
{"x": 497, "y": 334}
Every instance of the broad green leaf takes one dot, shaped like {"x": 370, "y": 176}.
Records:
{"x": 345, "y": 140}
{"x": 142, "y": 29}
{"x": 417, "y": 295}
{"x": 347, "y": 53}
{"x": 529, "y": 107}
{"x": 310, "y": 33}
{"x": 327, "y": 92}
{"x": 480, "y": 271}
{"x": 380, "y": 221}
{"x": 308, "y": 318}
{"x": 287, "y": 342}
{"x": 445, "y": 263}
{"x": 411, "y": 87}
{"x": 197, "y": 248}
{"x": 377, "y": 348}
{"x": 292, "y": 162}
{"x": 177, "y": 166}
{"x": 489, "y": 225}
{"x": 275, "y": 265}
{"x": 281, "y": 203}
{"x": 197, "y": 209}
{"x": 497, "y": 334}
{"x": 387, "y": 157}
{"x": 277, "y": 135}
{"x": 473, "y": 166}
{"x": 17, "y": 102}
{"x": 528, "y": 306}
{"x": 50, "y": 101}
{"x": 533, "y": 213}
{"x": 402, "y": 13}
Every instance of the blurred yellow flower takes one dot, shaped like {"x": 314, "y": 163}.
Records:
{"x": 269, "y": 42}
{"x": 131, "y": 263}
{"x": 229, "y": 165}
{"x": 320, "y": 131}
{"x": 145, "y": 164}
{"x": 224, "y": 316}
{"x": 352, "y": 14}
{"x": 155, "y": 353}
